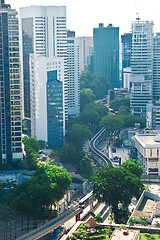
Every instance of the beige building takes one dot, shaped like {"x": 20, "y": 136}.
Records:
{"x": 147, "y": 145}
{"x": 128, "y": 234}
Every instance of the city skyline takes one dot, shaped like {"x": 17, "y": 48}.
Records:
{"x": 119, "y": 13}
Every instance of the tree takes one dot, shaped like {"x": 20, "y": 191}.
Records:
{"x": 86, "y": 167}
{"x": 77, "y": 134}
{"x": 143, "y": 220}
{"x": 71, "y": 153}
{"x": 124, "y": 110}
{"x": 133, "y": 166}
{"x": 98, "y": 85}
{"x": 130, "y": 120}
{"x": 31, "y": 147}
{"x": 42, "y": 144}
{"x": 157, "y": 224}
{"x": 116, "y": 186}
{"x": 131, "y": 221}
{"x": 58, "y": 177}
{"x": 98, "y": 218}
{"x": 90, "y": 117}
{"x": 86, "y": 96}
{"x": 117, "y": 103}
{"x": 35, "y": 196}
{"x": 99, "y": 108}
{"x": 111, "y": 123}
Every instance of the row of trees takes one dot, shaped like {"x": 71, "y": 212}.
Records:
{"x": 115, "y": 122}
{"x": 34, "y": 198}
{"x": 117, "y": 187}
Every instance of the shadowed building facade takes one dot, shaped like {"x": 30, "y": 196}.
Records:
{"x": 106, "y": 53}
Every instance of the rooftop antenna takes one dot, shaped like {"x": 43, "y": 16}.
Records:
{"x": 137, "y": 18}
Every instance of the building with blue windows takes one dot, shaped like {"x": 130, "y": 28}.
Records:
{"x": 54, "y": 109}
{"x": 126, "y": 41}
{"x": 47, "y": 99}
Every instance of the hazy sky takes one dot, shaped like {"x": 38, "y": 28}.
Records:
{"x": 84, "y": 15}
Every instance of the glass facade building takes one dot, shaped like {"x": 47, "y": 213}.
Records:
{"x": 54, "y": 109}
{"x": 156, "y": 67}
{"x": 126, "y": 41}
{"x": 106, "y": 53}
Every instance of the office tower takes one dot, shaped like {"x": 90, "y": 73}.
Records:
{"x": 73, "y": 74}
{"x": 141, "y": 66}
{"x": 106, "y": 53}
{"x": 156, "y": 67}
{"x": 153, "y": 115}
{"x": 10, "y": 94}
{"x": 47, "y": 102}
{"x": 84, "y": 49}
{"x": 42, "y": 32}
{"x": 126, "y": 41}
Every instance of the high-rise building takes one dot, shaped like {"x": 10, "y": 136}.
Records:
{"x": 42, "y": 32}
{"x": 156, "y": 67}
{"x": 153, "y": 115}
{"x": 106, "y": 53}
{"x": 73, "y": 74}
{"x": 126, "y": 41}
{"x": 141, "y": 66}
{"x": 47, "y": 102}
{"x": 84, "y": 50}
{"x": 10, "y": 94}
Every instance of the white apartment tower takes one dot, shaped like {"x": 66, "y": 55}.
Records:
{"x": 73, "y": 74}
{"x": 42, "y": 32}
{"x": 141, "y": 66}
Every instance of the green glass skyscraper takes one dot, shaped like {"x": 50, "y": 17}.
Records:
{"x": 106, "y": 53}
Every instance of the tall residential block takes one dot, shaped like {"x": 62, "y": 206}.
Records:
{"x": 42, "y": 32}
{"x": 10, "y": 94}
{"x": 47, "y": 102}
{"x": 141, "y": 66}
{"x": 106, "y": 53}
{"x": 85, "y": 44}
{"x": 73, "y": 74}
{"x": 126, "y": 41}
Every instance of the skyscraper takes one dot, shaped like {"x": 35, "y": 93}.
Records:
{"x": 156, "y": 67}
{"x": 47, "y": 102}
{"x": 126, "y": 41}
{"x": 141, "y": 66}
{"x": 10, "y": 94}
{"x": 106, "y": 53}
{"x": 73, "y": 74}
{"x": 42, "y": 32}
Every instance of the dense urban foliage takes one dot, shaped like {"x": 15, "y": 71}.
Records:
{"x": 98, "y": 85}
{"x": 116, "y": 187}
{"x": 35, "y": 197}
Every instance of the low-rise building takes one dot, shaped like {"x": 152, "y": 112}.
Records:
{"x": 147, "y": 145}
{"x": 128, "y": 234}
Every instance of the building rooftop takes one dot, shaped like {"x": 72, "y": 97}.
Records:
{"x": 148, "y": 140}
{"x": 119, "y": 234}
